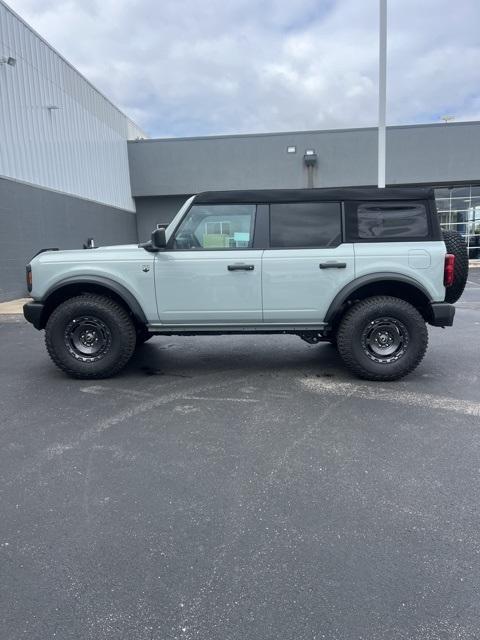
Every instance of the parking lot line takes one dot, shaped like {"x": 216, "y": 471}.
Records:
{"x": 225, "y": 399}
{"x": 393, "y": 394}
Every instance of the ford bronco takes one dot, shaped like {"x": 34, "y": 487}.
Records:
{"x": 363, "y": 268}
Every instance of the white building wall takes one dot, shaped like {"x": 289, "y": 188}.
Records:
{"x": 56, "y": 130}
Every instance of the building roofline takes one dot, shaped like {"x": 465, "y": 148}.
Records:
{"x": 56, "y": 52}
{"x": 305, "y": 131}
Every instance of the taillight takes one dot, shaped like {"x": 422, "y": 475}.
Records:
{"x": 448, "y": 273}
{"x": 29, "y": 278}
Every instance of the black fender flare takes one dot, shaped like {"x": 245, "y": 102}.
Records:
{"x": 344, "y": 294}
{"x": 107, "y": 283}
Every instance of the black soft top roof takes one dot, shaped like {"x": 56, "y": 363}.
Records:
{"x": 314, "y": 195}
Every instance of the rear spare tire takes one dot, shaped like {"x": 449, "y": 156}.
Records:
{"x": 455, "y": 244}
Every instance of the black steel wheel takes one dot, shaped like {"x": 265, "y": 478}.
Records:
{"x": 90, "y": 336}
{"x": 385, "y": 340}
{"x": 87, "y": 338}
{"x": 382, "y": 338}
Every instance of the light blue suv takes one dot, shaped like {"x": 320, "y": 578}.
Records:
{"x": 364, "y": 268}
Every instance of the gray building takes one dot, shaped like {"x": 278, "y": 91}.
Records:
{"x": 64, "y": 170}
{"x": 165, "y": 172}
{"x": 73, "y": 166}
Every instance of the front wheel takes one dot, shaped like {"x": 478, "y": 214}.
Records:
{"x": 90, "y": 336}
{"x": 382, "y": 338}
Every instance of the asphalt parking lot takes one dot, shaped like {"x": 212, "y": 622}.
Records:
{"x": 241, "y": 488}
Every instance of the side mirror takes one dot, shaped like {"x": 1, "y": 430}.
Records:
{"x": 159, "y": 239}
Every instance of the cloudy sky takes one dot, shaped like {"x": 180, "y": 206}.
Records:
{"x": 198, "y": 67}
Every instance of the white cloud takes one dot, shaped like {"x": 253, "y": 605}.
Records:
{"x": 183, "y": 67}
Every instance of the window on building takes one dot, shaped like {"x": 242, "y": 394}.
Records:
{"x": 387, "y": 221}
{"x": 217, "y": 226}
{"x": 459, "y": 210}
{"x": 305, "y": 224}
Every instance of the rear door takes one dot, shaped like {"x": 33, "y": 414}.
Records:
{"x": 307, "y": 262}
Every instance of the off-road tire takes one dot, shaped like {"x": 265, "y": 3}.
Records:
{"x": 111, "y": 315}
{"x": 143, "y": 335}
{"x": 456, "y": 244}
{"x": 351, "y": 341}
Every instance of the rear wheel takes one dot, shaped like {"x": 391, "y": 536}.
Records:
{"x": 90, "y": 336}
{"x": 382, "y": 338}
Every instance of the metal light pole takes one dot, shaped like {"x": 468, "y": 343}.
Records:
{"x": 382, "y": 92}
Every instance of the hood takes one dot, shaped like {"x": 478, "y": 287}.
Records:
{"x": 118, "y": 251}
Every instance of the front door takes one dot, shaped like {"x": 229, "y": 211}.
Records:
{"x": 210, "y": 274}
{"x": 307, "y": 263}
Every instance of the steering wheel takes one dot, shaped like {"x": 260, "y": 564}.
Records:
{"x": 187, "y": 240}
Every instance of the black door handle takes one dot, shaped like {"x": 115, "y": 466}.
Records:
{"x": 333, "y": 265}
{"x": 241, "y": 267}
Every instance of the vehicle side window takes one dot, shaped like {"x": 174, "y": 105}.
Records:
{"x": 305, "y": 225}
{"x": 387, "y": 221}
{"x": 216, "y": 226}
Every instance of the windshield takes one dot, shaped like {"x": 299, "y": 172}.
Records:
{"x": 173, "y": 224}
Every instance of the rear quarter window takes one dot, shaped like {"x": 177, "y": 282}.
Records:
{"x": 387, "y": 221}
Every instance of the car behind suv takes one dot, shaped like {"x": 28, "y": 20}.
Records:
{"x": 364, "y": 269}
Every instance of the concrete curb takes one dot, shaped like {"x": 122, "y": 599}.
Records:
{"x": 13, "y": 306}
